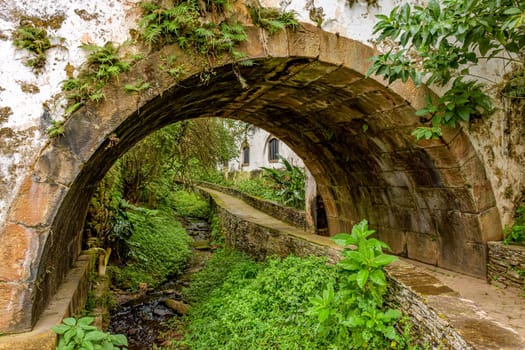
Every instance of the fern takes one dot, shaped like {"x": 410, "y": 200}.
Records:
{"x": 272, "y": 19}
{"x": 34, "y": 40}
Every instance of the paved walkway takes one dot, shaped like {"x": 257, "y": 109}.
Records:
{"x": 505, "y": 305}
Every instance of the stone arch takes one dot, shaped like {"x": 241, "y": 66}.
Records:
{"x": 430, "y": 201}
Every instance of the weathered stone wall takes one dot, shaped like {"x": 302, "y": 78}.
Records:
{"x": 441, "y": 318}
{"x": 289, "y": 215}
{"x": 506, "y": 264}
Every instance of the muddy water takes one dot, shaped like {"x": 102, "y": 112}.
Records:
{"x": 145, "y": 317}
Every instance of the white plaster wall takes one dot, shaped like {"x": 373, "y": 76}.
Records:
{"x": 23, "y": 132}
{"x": 33, "y": 112}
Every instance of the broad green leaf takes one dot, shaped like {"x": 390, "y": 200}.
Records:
{"x": 383, "y": 260}
{"x": 378, "y": 277}
{"x": 70, "y": 321}
{"x": 85, "y": 321}
{"x": 362, "y": 278}
{"x": 95, "y": 336}
{"x": 343, "y": 239}
{"x": 60, "y": 329}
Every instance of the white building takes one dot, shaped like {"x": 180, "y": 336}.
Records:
{"x": 259, "y": 149}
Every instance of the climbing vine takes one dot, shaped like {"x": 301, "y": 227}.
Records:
{"x": 441, "y": 44}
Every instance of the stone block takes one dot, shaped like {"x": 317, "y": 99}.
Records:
{"x": 253, "y": 47}
{"x": 311, "y": 73}
{"x": 333, "y": 48}
{"x": 56, "y": 165}
{"x": 461, "y": 148}
{"x": 341, "y": 77}
{"x": 490, "y": 225}
{"x": 19, "y": 252}
{"x": 305, "y": 41}
{"x": 357, "y": 57}
{"x": 470, "y": 259}
{"x": 422, "y": 247}
{"x": 397, "y": 240}
{"x": 36, "y": 203}
{"x": 16, "y": 306}
{"x": 401, "y": 197}
{"x": 483, "y": 196}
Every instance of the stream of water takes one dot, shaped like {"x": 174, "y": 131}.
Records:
{"x": 144, "y": 318}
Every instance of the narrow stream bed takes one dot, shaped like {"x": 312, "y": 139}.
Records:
{"x": 144, "y": 318}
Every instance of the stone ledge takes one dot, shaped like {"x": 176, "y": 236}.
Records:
{"x": 440, "y": 316}
{"x": 68, "y": 300}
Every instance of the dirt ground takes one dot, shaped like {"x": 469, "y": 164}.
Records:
{"x": 503, "y": 304}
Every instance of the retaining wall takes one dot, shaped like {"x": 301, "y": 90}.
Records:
{"x": 506, "y": 264}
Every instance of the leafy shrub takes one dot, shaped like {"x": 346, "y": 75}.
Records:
{"x": 289, "y": 183}
{"x": 350, "y": 313}
{"x": 104, "y": 63}
{"x": 272, "y": 19}
{"x": 516, "y": 233}
{"x": 434, "y": 44}
{"x": 158, "y": 248}
{"x": 79, "y": 335}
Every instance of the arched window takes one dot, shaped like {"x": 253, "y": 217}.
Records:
{"x": 245, "y": 155}
{"x": 273, "y": 150}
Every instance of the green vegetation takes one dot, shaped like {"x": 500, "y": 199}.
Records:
{"x": 137, "y": 87}
{"x": 441, "y": 44}
{"x": 258, "y": 307}
{"x": 351, "y": 312}
{"x": 272, "y": 19}
{"x": 79, "y": 334}
{"x": 289, "y": 183}
{"x": 239, "y": 304}
{"x": 516, "y": 233}
{"x": 36, "y": 41}
{"x": 56, "y": 129}
{"x": 182, "y": 23}
{"x": 189, "y": 204}
{"x": 104, "y": 63}
{"x": 223, "y": 263}
{"x": 157, "y": 249}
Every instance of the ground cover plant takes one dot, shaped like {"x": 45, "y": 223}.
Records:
{"x": 157, "y": 249}
{"x": 294, "y": 303}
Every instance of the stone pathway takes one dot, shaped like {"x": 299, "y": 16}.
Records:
{"x": 503, "y": 305}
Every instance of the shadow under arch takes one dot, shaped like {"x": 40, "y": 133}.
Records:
{"x": 430, "y": 201}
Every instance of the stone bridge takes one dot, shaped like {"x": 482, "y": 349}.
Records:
{"x": 436, "y": 201}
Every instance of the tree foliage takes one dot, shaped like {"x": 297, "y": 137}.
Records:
{"x": 442, "y": 43}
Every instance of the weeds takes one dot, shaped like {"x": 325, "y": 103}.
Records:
{"x": 516, "y": 233}
{"x": 36, "y": 41}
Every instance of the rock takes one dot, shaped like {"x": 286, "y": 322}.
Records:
{"x": 177, "y": 306}
{"x": 201, "y": 244}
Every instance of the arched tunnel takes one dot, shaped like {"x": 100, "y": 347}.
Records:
{"x": 430, "y": 201}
